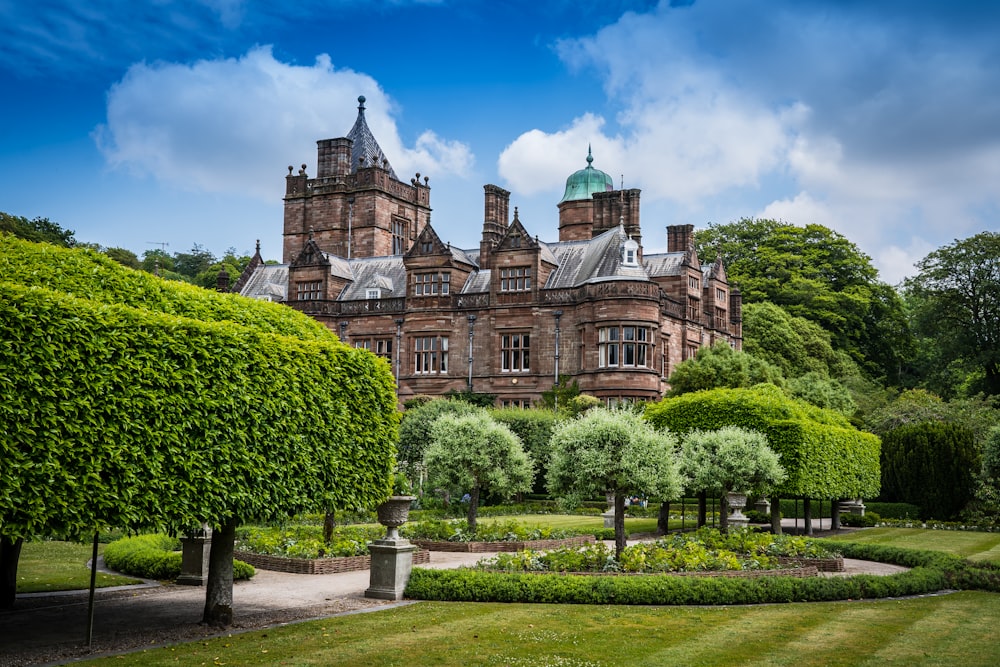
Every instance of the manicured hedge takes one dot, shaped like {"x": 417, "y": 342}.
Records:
{"x": 932, "y": 571}
{"x": 121, "y": 416}
{"x": 155, "y": 557}
{"x": 824, "y": 456}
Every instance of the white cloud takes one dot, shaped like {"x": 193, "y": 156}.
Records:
{"x": 232, "y": 125}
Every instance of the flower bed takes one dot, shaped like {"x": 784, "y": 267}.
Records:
{"x": 796, "y": 572}
{"x": 822, "y": 564}
{"x": 485, "y": 547}
{"x": 318, "y": 565}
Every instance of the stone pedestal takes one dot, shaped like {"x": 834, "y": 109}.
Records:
{"x": 392, "y": 560}
{"x": 609, "y": 518}
{"x": 194, "y": 558}
{"x": 853, "y": 507}
{"x": 762, "y": 505}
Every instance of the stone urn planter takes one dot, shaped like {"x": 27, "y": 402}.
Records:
{"x": 393, "y": 513}
{"x": 737, "y": 501}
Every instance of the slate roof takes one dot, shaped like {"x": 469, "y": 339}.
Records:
{"x": 596, "y": 260}
{"x": 386, "y": 273}
{"x": 665, "y": 264}
{"x": 267, "y": 281}
{"x": 365, "y": 149}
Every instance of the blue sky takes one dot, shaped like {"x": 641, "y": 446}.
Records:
{"x": 174, "y": 121}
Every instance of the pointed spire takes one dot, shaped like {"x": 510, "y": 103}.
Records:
{"x": 365, "y": 150}
{"x": 590, "y": 156}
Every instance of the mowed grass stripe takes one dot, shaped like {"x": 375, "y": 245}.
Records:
{"x": 968, "y": 544}
{"x": 945, "y": 638}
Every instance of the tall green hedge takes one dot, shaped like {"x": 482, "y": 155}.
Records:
{"x": 932, "y": 465}
{"x": 534, "y": 427}
{"x": 824, "y": 456}
{"x": 116, "y": 413}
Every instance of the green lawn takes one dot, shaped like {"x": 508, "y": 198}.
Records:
{"x": 946, "y": 630}
{"x": 60, "y": 566}
{"x": 971, "y": 545}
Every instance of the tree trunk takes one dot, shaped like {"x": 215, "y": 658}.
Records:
{"x": 619, "y": 524}
{"x": 10, "y": 552}
{"x": 834, "y": 515}
{"x": 663, "y": 518}
{"x": 473, "y": 508}
{"x": 219, "y": 587}
{"x": 329, "y": 525}
{"x": 724, "y": 513}
{"x": 807, "y": 514}
{"x": 776, "y": 515}
{"x": 702, "y": 508}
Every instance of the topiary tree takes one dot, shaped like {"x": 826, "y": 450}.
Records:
{"x": 476, "y": 453}
{"x": 932, "y": 465}
{"x": 613, "y": 452}
{"x": 134, "y": 403}
{"x": 730, "y": 459}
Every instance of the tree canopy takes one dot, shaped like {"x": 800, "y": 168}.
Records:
{"x": 131, "y": 402}
{"x": 955, "y": 303}
{"x": 815, "y": 273}
{"x": 39, "y": 230}
{"x": 721, "y": 366}
{"x": 613, "y": 452}
{"x": 474, "y": 453}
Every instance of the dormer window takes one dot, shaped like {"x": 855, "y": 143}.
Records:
{"x": 430, "y": 284}
{"x": 373, "y": 293}
{"x": 630, "y": 253}
{"x": 515, "y": 279}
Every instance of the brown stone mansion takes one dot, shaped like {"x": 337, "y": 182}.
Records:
{"x": 506, "y": 318}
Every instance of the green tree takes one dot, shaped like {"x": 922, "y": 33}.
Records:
{"x": 932, "y": 465}
{"x": 815, "y": 273}
{"x": 135, "y": 403}
{"x": 39, "y": 230}
{"x": 192, "y": 264}
{"x": 721, "y": 366}
{"x": 233, "y": 265}
{"x": 955, "y": 299}
{"x": 914, "y": 406}
{"x": 474, "y": 453}
{"x": 730, "y": 459}
{"x": 415, "y": 429}
{"x": 124, "y": 257}
{"x": 794, "y": 344}
{"x": 821, "y": 391}
{"x": 613, "y": 452}
{"x": 534, "y": 427}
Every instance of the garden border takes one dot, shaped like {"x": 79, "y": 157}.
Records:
{"x": 803, "y": 572}
{"x": 318, "y": 565}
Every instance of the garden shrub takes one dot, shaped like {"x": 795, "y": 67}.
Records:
{"x": 306, "y": 541}
{"x": 534, "y": 427}
{"x": 155, "y": 557}
{"x": 456, "y": 530}
{"x": 932, "y": 465}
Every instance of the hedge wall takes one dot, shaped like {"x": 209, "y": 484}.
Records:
{"x": 116, "y": 415}
{"x": 824, "y": 456}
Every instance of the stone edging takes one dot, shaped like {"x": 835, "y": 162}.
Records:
{"x": 487, "y": 547}
{"x": 318, "y": 565}
{"x": 822, "y": 564}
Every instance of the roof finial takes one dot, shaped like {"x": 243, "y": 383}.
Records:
{"x": 590, "y": 156}
{"x": 258, "y": 246}
{"x": 361, "y": 103}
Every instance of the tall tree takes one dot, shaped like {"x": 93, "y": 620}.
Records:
{"x": 815, "y": 273}
{"x": 722, "y": 366}
{"x": 613, "y": 452}
{"x": 955, "y": 300}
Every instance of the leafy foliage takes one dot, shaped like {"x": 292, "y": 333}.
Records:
{"x": 815, "y": 273}
{"x": 822, "y": 392}
{"x": 534, "y": 427}
{"x": 155, "y": 557}
{"x": 795, "y": 345}
{"x": 39, "y": 230}
{"x": 932, "y": 465}
{"x": 823, "y": 455}
{"x": 914, "y": 406}
{"x": 415, "y": 428}
{"x": 955, "y": 299}
{"x": 721, "y": 366}
{"x": 305, "y": 541}
{"x": 474, "y": 453}
{"x": 612, "y": 452}
{"x": 730, "y": 459}
{"x": 495, "y": 531}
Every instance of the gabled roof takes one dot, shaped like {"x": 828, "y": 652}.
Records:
{"x": 665, "y": 264}
{"x": 365, "y": 152}
{"x": 267, "y": 281}
{"x": 516, "y": 236}
{"x": 428, "y": 235}
{"x": 386, "y": 273}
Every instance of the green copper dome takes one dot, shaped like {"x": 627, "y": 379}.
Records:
{"x": 584, "y": 183}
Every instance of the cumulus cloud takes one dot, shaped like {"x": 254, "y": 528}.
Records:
{"x": 877, "y": 120}
{"x": 232, "y": 125}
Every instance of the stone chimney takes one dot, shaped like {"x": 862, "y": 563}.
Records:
{"x": 496, "y": 219}
{"x": 679, "y": 237}
{"x": 333, "y": 157}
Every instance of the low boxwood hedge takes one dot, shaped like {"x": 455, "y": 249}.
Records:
{"x": 155, "y": 557}
{"x": 931, "y": 571}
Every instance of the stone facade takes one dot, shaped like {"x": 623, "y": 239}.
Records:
{"x": 506, "y": 318}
